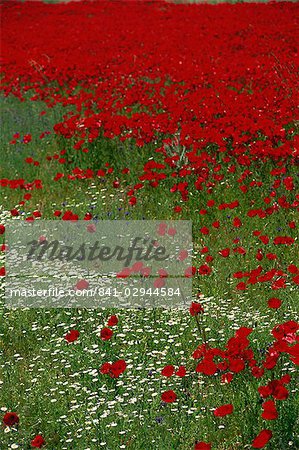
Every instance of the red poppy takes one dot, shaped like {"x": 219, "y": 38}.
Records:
{"x": 241, "y": 286}
{"x": 204, "y": 230}
{"x": 224, "y": 410}
{"x": 27, "y": 138}
{"x": 167, "y": 371}
{"x": 106, "y": 334}
{"x": 225, "y": 252}
{"x": 38, "y": 441}
{"x": 72, "y": 336}
{"x": 236, "y": 365}
{"x": 91, "y": 228}
{"x": 112, "y": 321}
{"x": 133, "y": 201}
{"x": 177, "y": 209}
{"x": 183, "y": 255}
{"x": 82, "y": 284}
{"x": 168, "y": 396}
{"x": 159, "y": 283}
{"x": 227, "y": 377}
{"x": 204, "y": 269}
{"x": 181, "y": 372}
{"x": 190, "y": 272}
{"x": 207, "y": 366}
{"x": 202, "y": 446}
{"x": 292, "y": 268}
{"x": 196, "y": 309}
{"x": 10, "y": 419}
{"x": 262, "y": 439}
{"x": 117, "y": 368}
{"x": 257, "y": 372}
{"x": 270, "y": 412}
{"x": 274, "y": 303}
{"x": 105, "y": 368}
{"x": 237, "y": 222}
{"x": 264, "y": 239}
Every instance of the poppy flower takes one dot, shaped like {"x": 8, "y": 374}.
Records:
{"x": 227, "y": 377}
{"x": 27, "y": 138}
{"x": 91, "y": 228}
{"x": 216, "y": 224}
{"x": 87, "y": 218}
{"x": 292, "y": 268}
{"x": 72, "y": 336}
{"x": 237, "y": 223}
{"x": 81, "y": 285}
{"x": 183, "y": 255}
{"x": 236, "y": 365}
{"x": 296, "y": 279}
{"x": 112, "y": 321}
{"x": 181, "y": 372}
{"x": 172, "y": 231}
{"x": 38, "y": 441}
{"x": 225, "y": 252}
{"x": 241, "y": 286}
{"x": 106, "y": 334}
{"x": 167, "y": 371}
{"x": 159, "y": 283}
{"x": 280, "y": 392}
{"x": 177, "y": 209}
{"x": 204, "y": 230}
{"x": 117, "y": 368}
{"x": 206, "y": 366}
{"x": 113, "y": 370}
{"x": 274, "y": 303}
{"x": 257, "y": 372}
{"x": 224, "y": 410}
{"x": 199, "y": 352}
{"x": 169, "y": 396}
{"x": 264, "y": 239}
{"x": 262, "y": 439}
{"x": 124, "y": 273}
{"x": 190, "y": 272}
{"x": 204, "y": 269}
{"x": 132, "y": 201}
{"x": 270, "y": 412}
{"x": 105, "y": 368}
{"x": 10, "y": 419}
{"x": 202, "y": 446}
{"x": 196, "y": 309}
{"x": 285, "y": 379}
{"x": 283, "y": 240}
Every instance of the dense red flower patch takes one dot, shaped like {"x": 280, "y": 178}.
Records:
{"x": 222, "y": 74}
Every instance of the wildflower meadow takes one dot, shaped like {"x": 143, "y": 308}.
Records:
{"x": 138, "y": 110}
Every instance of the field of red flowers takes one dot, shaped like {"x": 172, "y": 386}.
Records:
{"x": 130, "y": 110}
